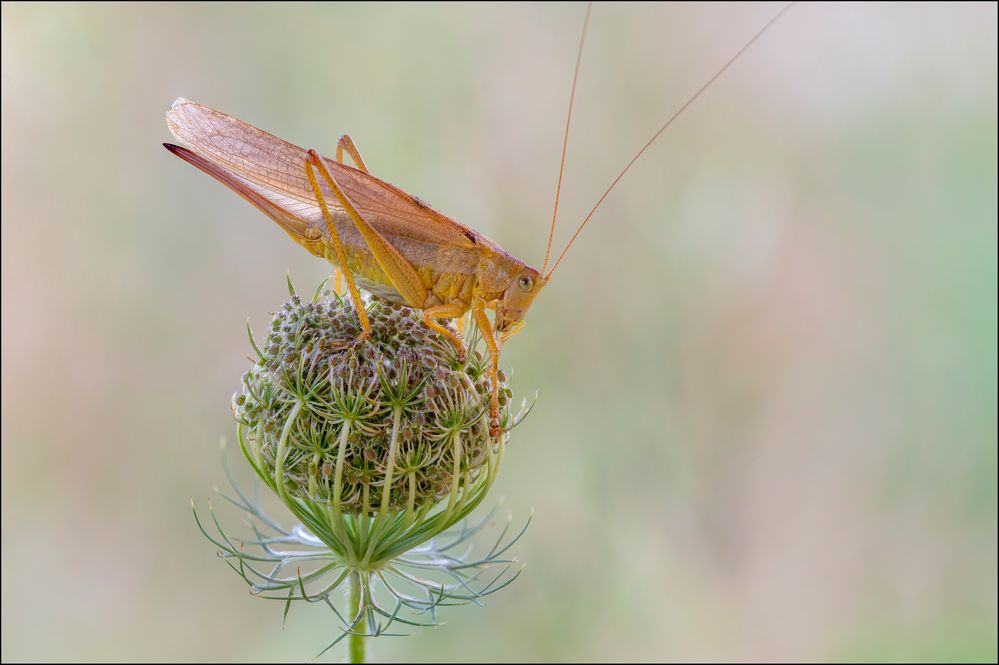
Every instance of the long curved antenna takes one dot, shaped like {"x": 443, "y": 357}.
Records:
{"x": 663, "y": 128}
{"x": 565, "y": 141}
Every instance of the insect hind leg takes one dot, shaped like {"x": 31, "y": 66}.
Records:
{"x": 341, "y": 254}
{"x": 347, "y": 143}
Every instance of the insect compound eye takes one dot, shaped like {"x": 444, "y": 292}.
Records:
{"x": 525, "y": 283}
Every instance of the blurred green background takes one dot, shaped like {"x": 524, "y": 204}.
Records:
{"x": 767, "y": 372}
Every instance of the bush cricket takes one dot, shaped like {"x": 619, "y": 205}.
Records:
{"x": 382, "y": 239}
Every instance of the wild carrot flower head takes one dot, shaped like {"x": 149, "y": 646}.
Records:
{"x": 379, "y": 449}
{"x": 390, "y": 423}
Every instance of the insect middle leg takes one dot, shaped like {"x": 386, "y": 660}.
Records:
{"x": 452, "y": 311}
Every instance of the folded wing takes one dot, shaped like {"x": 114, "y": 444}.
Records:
{"x": 270, "y": 173}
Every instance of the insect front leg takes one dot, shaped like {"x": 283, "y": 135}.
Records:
{"x": 453, "y": 311}
{"x": 482, "y": 321}
{"x": 347, "y": 143}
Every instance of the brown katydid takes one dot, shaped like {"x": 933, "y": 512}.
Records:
{"x": 384, "y": 240}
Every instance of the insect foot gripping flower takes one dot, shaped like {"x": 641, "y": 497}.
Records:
{"x": 379, "y": 449}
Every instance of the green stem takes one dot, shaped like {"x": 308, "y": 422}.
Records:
{"x": 379, "y": 522}
{"x": 355, "y": 641}
{"x": 393, "y": 451}
{"x": 456, "y": 471}
{"x": 282, "y": 451}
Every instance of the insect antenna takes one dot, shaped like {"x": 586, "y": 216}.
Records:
{"x": 565, "y": 140}
{"x": 655, "y": 136}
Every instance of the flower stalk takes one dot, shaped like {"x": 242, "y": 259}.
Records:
{"x": 355, "y": 648}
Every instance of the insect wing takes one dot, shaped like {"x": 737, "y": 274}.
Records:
{"x": 270, "y": 172}
{"x": 302, "y": 221}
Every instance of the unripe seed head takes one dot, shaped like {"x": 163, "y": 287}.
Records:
{"x": 398, "y": 404}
